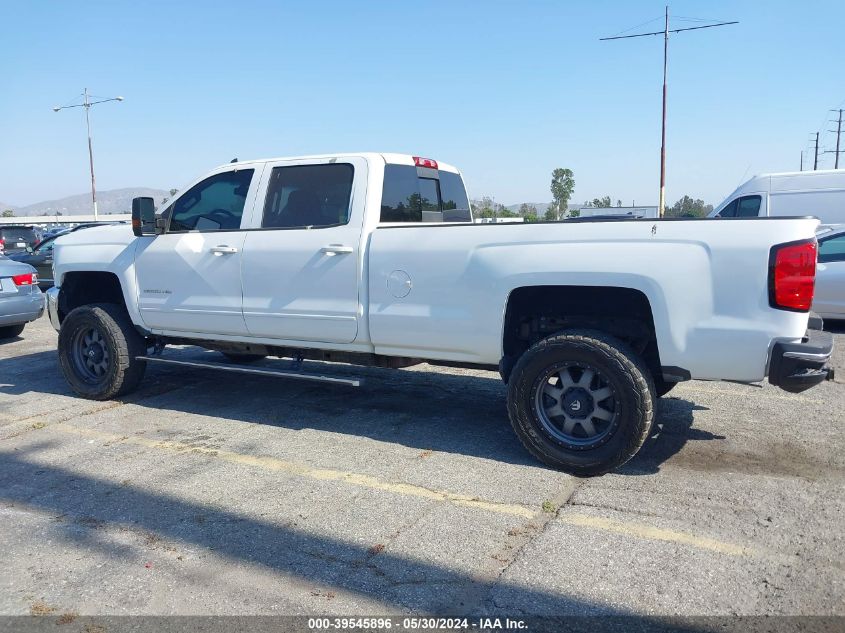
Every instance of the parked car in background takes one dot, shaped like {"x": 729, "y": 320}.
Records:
{"x": 21, "y": 300}
{"x": 54, "y": 232}
{"x": 15, "y": 238}
{"x": 829, "y": 301}
{"x": 817, "y": 193}
{"x": 41, "y": 257}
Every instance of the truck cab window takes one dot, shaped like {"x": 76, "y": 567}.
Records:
{"x": 308, "y": 196}
{"x": 400, "y": 196}
{"x": 215, "y": 204}
{"x": 430, "y": 200}
{"x": 409, "y": 197}
{"x": 454, "y": 196}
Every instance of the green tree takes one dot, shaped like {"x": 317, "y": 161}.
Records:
{"x": 528, "y": 211}
{"x": 503, "y": 212}
{"x": 601, "y": 203}
{"x": 563, "y": 184}
{"x": 688, "y": 207}
{"x": 551, "y": 213}
{"x": 487, "y": 207}
{"x": 8, "y": 213}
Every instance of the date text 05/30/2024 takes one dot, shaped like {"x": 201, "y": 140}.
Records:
{"x": 416, "y": 624}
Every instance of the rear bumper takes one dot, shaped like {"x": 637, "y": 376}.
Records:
{"x": 796, "y": 367}
{"x": 21, "y": 309}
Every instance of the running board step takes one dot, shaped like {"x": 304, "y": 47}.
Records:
{"x": 275, "y": 373}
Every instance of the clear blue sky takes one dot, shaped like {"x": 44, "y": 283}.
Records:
{"x": 507, "y": 91}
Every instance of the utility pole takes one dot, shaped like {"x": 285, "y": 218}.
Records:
{"x": 661, "y": 205}
{"x": 665, "y": 33}
{"x": 836, "y": 152}
{"x": 816, "y": 158}
{"x": 87, "y": 103}
{"x": 802, "y": 160}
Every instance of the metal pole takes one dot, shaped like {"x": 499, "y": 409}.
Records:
{"x": 838, "y": 133}
{"x": 87, "y": 105}
{"x": 802, "y": 160}
{"x": 816, "y": 159}
{"x": 662, "y": 204}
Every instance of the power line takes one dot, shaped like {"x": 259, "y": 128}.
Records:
{"x": 665, "y": 32}
{"x": 689, "y": 28}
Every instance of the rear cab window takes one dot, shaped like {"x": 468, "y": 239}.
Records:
{"x": 423, "y": 194}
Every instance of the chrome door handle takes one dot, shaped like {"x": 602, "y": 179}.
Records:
{"x": 223, "y": 250}
{"x": 336, "y": 249}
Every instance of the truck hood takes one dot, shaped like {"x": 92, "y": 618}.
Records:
{"x": 99, "y": 248}
{"x": 117, "y": 235}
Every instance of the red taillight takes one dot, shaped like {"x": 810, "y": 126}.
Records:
{"x": 29, "y": 279}
{"x": 792, "y": 275}
{"x": 425, "y": 162}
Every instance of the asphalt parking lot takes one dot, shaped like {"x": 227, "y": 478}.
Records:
{"x": 213, "y": 493}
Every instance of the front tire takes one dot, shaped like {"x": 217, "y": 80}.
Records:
{"x": 11, "y": 331}
{"x": 581, "y": 401}
{"x": 98, "y": 346}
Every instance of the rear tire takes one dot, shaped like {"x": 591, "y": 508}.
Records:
{"x": 11, "y": 331}
{"x": 581, "y": 401}
{"x": 98, "y": 346}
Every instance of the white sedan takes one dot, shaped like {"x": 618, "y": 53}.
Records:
{"x": 829, "y": 301}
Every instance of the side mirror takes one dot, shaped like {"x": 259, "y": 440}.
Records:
{"x": 29, "y": 249}
{"x": 143, "y": 216}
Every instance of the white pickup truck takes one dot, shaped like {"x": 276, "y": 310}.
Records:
{"x": 373, "y": 259}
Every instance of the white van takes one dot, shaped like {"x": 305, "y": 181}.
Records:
{"x": 817, "y": 193}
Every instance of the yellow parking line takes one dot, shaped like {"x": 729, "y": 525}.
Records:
{"x": 651, "y": 533}
{"x": 626, "y": 528}
{"x": 303, "y": 470}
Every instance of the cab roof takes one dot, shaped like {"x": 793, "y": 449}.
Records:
{"x": 387, "y": 157}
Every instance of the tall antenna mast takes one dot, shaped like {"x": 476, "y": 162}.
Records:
{"x": 665, "y": 33}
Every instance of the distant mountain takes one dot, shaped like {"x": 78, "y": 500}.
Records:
{"x": 110, "y": 201}
{"x": 5, "y": 206}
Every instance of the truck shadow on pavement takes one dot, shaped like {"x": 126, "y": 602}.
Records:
{"x": 672, "y": 430}
{"x": 420, "y": 409}
{"x": 130, "y": 526}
